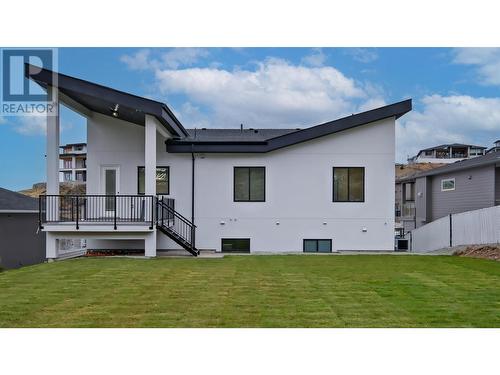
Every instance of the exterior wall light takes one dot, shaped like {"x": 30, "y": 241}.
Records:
{"x": 364, "y": 230}
{"x": 222, "y": 222}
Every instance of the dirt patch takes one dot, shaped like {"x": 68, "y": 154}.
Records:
{"x": 480, "y": 251}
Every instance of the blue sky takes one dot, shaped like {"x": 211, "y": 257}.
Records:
{"x": 456, "y": 93}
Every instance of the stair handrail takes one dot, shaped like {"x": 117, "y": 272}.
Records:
{"x": 173, "y": 211}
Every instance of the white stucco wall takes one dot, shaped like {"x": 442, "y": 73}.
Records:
{"x": 299, "y": 182}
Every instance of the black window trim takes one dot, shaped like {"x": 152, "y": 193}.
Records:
{"x": 158, "y": 166}
{"x": 333, "y": 185}
{"x": 234, "y": 184}
{"x": 315, "y": 239}
{"x": 236, "y": 238}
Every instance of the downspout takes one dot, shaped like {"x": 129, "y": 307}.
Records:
{"x": 192, "y": 183}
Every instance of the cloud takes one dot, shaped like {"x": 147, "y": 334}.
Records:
{"x": 33, "y": 125}
{"x": 448, "y": 119}
{"x": 172, "y": 59}
{"x": 316, "y": 58}
{"x": 486, "y": 61}
{"x": 30, "y": 125}
{"x": 363, "y": 55}
{"x": 275, "y": 94}
{"x": 2, "y": 120}
{"x": 183, "y": 57}
{"x": 138, "y": 61}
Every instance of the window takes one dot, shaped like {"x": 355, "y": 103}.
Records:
{"x": 448, "y": 184}
{"x": 348, "y": 184}
{"x": 67, "y": 164}
{"x": 317, "y": 246}
{"x": 162, "y": 180}
{"x": 236, "y": 245}
{"x": 249, "y": 184}
{"x": 409, "y": 191}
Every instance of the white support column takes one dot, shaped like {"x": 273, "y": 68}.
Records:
{"x": 51, "y": 246}
{"x": 53, "y": 147}
{"x": 73, "y": 165}
{"x": 150, "y": 244}
{"x": 150, "y": 176}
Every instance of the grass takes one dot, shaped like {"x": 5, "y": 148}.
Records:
{"x": 254, "y": 291}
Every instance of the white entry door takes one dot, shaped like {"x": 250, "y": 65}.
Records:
{"x": 110, "y": 185}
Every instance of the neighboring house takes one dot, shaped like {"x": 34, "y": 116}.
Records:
{"x": 405, "y": 192}
{"x": 73, "y": 162}
{"x": 154, "y": 185}
{"x": 449, "y": 153}
{"x": 495, "y": 148}
{"x": 462, "y": 186}
{"x": 21, "y": 243}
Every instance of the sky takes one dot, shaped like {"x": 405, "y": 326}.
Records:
{"x": 455, "y": 92}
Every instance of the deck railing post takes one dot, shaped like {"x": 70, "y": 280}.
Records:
{"x": 77, "y": 226}
{"x": 40, "y": 212}
{"x": 115, "y": 209}
{"x": 152, "y": 212}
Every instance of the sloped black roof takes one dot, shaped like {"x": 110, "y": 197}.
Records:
{"x": 12, "y": 201}
{"x": 265, "y": 140}
{"x": 102, "y": 99}
{"x": 234, "y": 135}
{"x": 479, "y": 161}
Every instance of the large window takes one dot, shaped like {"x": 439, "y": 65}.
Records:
{"x": 236, "y": 245}
{"x": 348, "y": 184}
{"x": 317, "y": 246}
{"x": 249, "y": 184}
{"x": 162, "y": 180}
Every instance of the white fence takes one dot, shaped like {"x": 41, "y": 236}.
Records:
{"x": 467, "y": 228}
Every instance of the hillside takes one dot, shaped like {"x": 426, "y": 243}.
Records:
{"x": 65, "y": 188}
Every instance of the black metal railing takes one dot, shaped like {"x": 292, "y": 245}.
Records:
{"x": 104, "y": 209}
{"x": 173, "y": 222}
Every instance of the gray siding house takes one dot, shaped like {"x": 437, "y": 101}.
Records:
{"x": 21, "y": 244}
{"x": 462, "y": 186}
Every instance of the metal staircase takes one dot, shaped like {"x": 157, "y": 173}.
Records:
{"x": 175, "y": 226}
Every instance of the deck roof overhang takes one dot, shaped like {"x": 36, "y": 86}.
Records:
{"x": 102, "y": 99}
{"x": 395, "y": 110}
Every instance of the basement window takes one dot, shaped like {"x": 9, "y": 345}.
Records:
{"x": 235, "y": 245}
{"x": 162, "y": 180}
{"x": 318, "y": 246}
{"x": 448, "y": 184}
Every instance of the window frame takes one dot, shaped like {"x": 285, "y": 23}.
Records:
{"x": 249, "y": 185}
{"x": 158, "y": 166}
{"x": 317, "y": 247}
{"x": 236, "y": 238}
{"x": 333, "y": 185}
{"x": 446, "y": 180}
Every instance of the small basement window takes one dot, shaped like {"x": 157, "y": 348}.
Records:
{"x": 448, "y": 184}
{"x": 318, "y": 246}
{"x": 235, "y": 245}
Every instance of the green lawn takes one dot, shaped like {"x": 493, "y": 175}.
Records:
{"x": 254, "y": 291}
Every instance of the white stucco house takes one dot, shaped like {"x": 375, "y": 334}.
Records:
{"x": 154, "y": 185}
